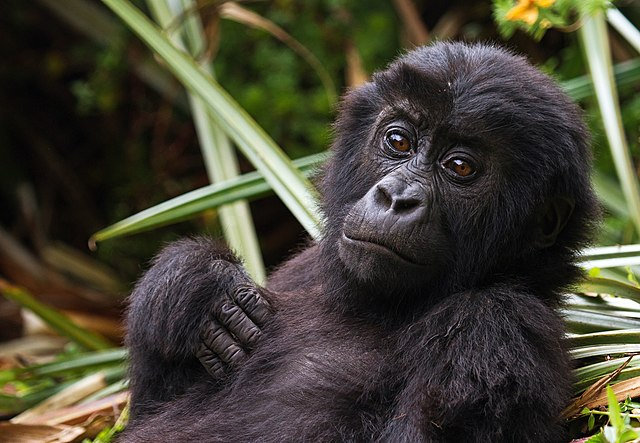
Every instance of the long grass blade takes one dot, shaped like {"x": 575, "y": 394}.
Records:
{"x": 599, "y": 285}
{"x": 605, "y": 338}
{"x": 69, "y": 365}
{"x": 606, "y": 350}
{"x": 610, "y": 256}
{"x": 607, "y": 252}
{"x": 604, "y": 304}
{"x": 295, "y": 191}
{"x": 58, "y": 321}
{"x": 183, "y": 207}
{"x": 220, "y": 159}
{"x": 593, "y": 35}
{"x": 589, "y": 374}
{"x": 580, "y": 321}
{"x": 626, "y": 29}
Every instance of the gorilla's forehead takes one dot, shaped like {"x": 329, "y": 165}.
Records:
{"x": 404, "y": 109}
{"x": 482, "y": 94}
{"x": 447, "y": 106}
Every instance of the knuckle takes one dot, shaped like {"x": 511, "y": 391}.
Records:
{"x": 245, "y": 294}
{"x": 253, "y": 336}
{"x": 228, "y": 313}
{"x": 235, "y": 353}
{"x": 211, "y": 362}
{"x": 250, "y": 298}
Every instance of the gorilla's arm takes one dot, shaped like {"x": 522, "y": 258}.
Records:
{"x": 194, "y": 315}
{"x": 494, "y": 370}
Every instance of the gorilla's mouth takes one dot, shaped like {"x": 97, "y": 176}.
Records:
{"x": 377, "y": 247}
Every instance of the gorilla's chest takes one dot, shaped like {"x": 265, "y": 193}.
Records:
{"x": 337, "y": 371}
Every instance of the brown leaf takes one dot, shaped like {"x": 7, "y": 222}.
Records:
{"x": 623, "y": 389}
{"x": 592, "y": 392}
{"x": 85, "y": 413}
{"x": 68, "y": 396}
{"x": 25, "y": 433}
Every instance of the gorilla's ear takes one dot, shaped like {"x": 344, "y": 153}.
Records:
{"x": 552, "y": 219}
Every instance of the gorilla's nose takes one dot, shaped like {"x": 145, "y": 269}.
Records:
{"x": 396, "y": 196}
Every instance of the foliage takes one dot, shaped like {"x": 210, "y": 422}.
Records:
{"x": 57, "y": 321}
{"x": 108, "y": 434}
{"x": 619, "y": 429}
{"x": 535, "y": 17}
{"x": 290, "y": 185}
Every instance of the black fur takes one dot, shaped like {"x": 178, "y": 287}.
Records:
{"x": 458, "y": 340}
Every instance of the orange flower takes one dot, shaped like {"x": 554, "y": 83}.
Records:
{"x": 527, "y": 10}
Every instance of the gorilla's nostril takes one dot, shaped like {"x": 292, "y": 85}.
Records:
{"x": 383, "y": 197}
{"x": 395, "y": 197}
{"x": 404, "y": 204}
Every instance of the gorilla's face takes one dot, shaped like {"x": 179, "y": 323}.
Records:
{"x": 453, "y": 163}
{"x": 426, "y": 175}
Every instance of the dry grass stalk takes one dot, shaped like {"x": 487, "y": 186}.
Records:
{"x": 595, "y": 391}
{"x": 23, "y": 433}
{"x": 74, "y": 393}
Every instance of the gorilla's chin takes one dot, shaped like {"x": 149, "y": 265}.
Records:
{"x": 374, "y": 262}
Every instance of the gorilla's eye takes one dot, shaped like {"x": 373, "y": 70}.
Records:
{"x": 460, "y": 167}
{"x": 398, "y": 141}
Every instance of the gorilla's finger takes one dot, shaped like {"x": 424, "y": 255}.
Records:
{"x": 239, "y": 324}
{"x": 222, "y": 343}
{"x": 211, "y": 362}
{"x": 253, "y": 303}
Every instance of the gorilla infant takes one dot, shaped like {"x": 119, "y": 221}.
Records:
{"x": 456, "y": 198}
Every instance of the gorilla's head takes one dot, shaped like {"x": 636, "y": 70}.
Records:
{"x": 453, "y": 166}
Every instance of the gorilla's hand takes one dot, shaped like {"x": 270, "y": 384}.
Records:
{"x": 196, "y": 304}
{"x": 235, "y": 323}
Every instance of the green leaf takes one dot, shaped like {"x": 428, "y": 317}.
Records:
{"x": 610, "y": 434}
{"x": 591, "y": 422}
{"x": 610, "y": 256}
{"x": 600, "y": 285}
{"x": 188, "y": 205}
{"x": 627, "y": 435}
{"x": 598, "y": 438}
{"x": 58, "y": 321}
{"x": 605, "y": 337}
{"x": 580, "y": 321}
{"x": 295, "y": 191}
{"x": 615, "y": 417}
{"x": 624, "y": 27}
{"x": 76, "y": 363}
{"x": 593, "y": 351}
{"x": 594, "y": 38}
{"x": 113, "y": 388}
{"x": 219, "y": 157}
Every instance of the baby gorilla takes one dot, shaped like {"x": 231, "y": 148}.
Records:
{"x": 456, "y": 199}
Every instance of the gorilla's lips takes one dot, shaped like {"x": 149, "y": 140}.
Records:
{"x": 376, "y": 246}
